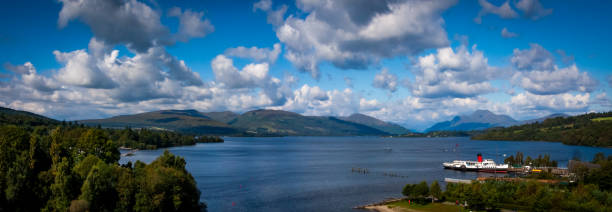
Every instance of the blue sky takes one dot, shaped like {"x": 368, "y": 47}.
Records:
{"x": 410, "y": 62}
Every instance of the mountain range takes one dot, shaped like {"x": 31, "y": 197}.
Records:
{"x": 252, "y": 123}
{"x": 483, "y": 119}
{"x": 272, "y": 122}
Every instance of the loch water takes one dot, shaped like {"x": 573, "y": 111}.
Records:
{"x": 322, "y": 173}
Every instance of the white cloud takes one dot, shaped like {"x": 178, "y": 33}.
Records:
{"x": 503, "y": 11}
{"x": 26, "y": 68}
{"x": 385, "y": 80}
{"x": 533, "y": 9}
{"x": 251, "y": 75}
{"x": 559, "y": 102}
{"x": 452, "y": 73}
{"x": 30, "y": 79}
{"x": 274, "y": 17}
{"x": 191, "y": 24}
{"x": 312, "y": 100}
{"x": 129, "y": 22}
{"x": 534, "y": 58}
{"x": 507, "y": 34}
{"x": 132, "y": 23}
{"x": 539, "y": 75}
{"x": 257, "y": 54}
{"x": 80, "y": 69}
{"x": 354, "y": 35}
{"x": 556, "y": 81}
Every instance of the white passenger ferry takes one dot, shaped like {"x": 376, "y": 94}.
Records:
{"x": 481, "y": 165}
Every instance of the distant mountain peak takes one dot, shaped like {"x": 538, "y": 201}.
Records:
{"x": 370, "y": 121}
{"x": 478, "y": 120}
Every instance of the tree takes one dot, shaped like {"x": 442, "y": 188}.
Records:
{"x": 98, "y": 189}
{"x": 165, "y": 185}
{"x": 435, "y": 191}
{"x": 407, "y": 191}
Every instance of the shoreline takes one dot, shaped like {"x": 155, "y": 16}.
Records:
{"x": 382, "y": 204}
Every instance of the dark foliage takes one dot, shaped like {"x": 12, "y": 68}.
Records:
{"x": 540, "y": 161}
{"x": 594, "y": 193}
{"x": 153, "y": 139}
{"x": 61, "y": 168}
{"x": 591, "y": 129}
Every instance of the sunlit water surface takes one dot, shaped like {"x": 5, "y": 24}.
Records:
{"x": 316, "y": 173}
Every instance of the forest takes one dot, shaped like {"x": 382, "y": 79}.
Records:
{"x": 593, "y": 192}
{"x": 591, "y": 129}
{"x": 48, "y": 165}
{"x": 153, "y": 139}
{"x": 75, "y": 168}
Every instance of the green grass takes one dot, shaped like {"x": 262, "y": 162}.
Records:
{"x": 602, "y": 119}
{"x": 428, "y": 207}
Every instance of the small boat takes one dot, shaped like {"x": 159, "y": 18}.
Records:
{"x": 486, "y": 165}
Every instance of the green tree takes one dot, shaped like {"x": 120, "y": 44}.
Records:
{"x": 407, "y": 191}
{"x": 99, "y": 189}
{"x": 165, "y": 185}
{"x": 435, "y": 191}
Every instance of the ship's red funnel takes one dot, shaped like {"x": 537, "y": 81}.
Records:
{"x": 479, "y": 157}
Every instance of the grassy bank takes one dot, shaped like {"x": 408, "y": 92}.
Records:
{"x": 404, "y": 205}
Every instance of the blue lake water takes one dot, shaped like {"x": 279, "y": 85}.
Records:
{"x": 315, "y": 173}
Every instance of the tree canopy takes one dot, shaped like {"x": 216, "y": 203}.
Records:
{"x": 70, "y": 167}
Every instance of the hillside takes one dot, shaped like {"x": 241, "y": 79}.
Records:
{"x": 555, "y": 115}
{"x": 591, "y": 129}
{"x": 369, "y": 121}
{"x": 223, "y": 117}
{"x": 185, "y": 121}
{"x": 277, "y": 122}
{"x": 479, "y": 120}
{"x": 17, "y": 117}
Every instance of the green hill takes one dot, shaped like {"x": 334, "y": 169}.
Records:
{"x": 224, "y": 117}
{"x": 184, "y": 121}
{"x": 369, "y": 121}
{"x": 17, "y": 117}
{"x": 252, "y": 123}
{"x": 591, "y": 129}
{"x": 277, "y": 122}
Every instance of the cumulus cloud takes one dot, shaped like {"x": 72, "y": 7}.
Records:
{"x": 610, "y": 80}
{"x": 385, "y": 80}
{"x": 132, "y": 23}
{"x": 533, "y": 9}
{"x": 129, "y": 22}
{"x": 257, "y": 54}
{"x": 534, "y": 58}
{"x": 452, "y": 73}
{"x": 191, "y": 24}
{"x": 251, "y": 75}
{"x": 558, "y": 102}
{"x": 556, "y": 81}
{"x": 26, "y": 68}
{"x": 503, "y": 11}
{"x": 566, "y": 58}
{"x": 353, "y": 35}
{"x": 274, "y": 17}
{"x": 312, "y": 100}
{"x": 31, "y": 79}
{"x": 539, "y": 75}
{"x": 507, "y": 34}
{"x": 81, "y": 69}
